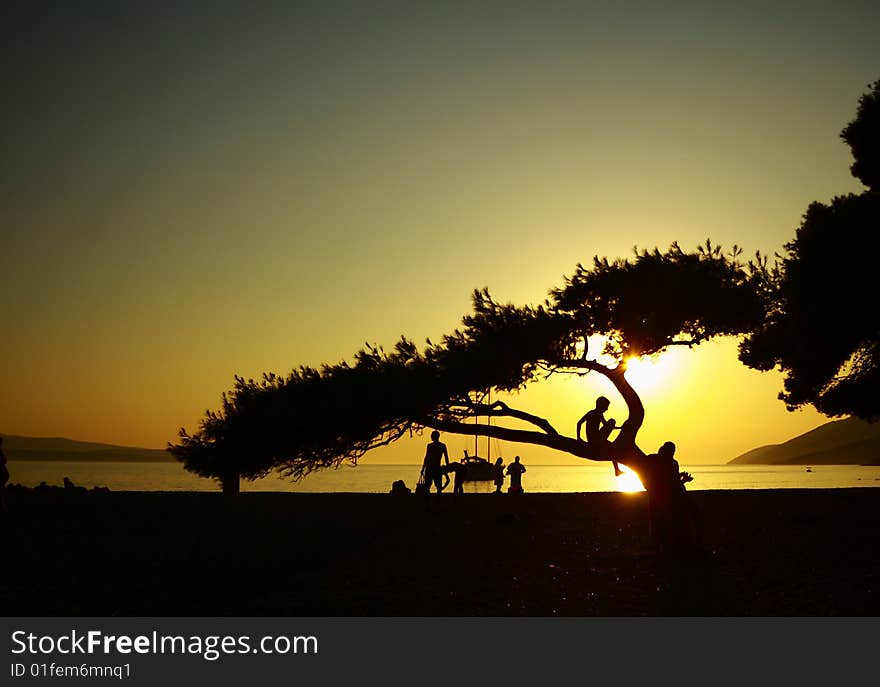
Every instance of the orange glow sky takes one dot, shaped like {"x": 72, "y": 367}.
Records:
{"x": 191, "y": 195}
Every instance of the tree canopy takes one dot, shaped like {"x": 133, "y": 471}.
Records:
{"x": 862, "y": 135}
{"x": 316, "y": 418}
{"x": 822, "y": 328}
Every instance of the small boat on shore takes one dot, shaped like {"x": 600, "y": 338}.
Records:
{"x": 477, "y": 469}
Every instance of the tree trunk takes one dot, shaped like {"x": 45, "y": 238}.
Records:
{"x": 679, "y": 531}
{"x": 231, "y": 484}
{"x": 624, "y": 448}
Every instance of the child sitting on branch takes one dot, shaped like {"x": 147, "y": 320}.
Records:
{"x": 597, "y": 429}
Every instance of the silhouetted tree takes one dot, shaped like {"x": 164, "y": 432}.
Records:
{"x": 822, "y": 324}
{"x": 221, "y": 449}
{"x": 809, "y": 314}
{"x": 862, "y": 135}
{"x": 318, "y": 418}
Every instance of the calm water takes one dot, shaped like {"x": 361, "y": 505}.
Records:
{"x": 378, "y": 478}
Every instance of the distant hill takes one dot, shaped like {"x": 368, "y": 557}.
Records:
{"x": 840, "y": 442}
{"x": 56, "y": 448}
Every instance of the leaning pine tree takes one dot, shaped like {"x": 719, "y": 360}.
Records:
{"x": 317, "y": 418}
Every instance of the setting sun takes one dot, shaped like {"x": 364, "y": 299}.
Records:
{"x": 646, "y": 373}
{"x": 628, "y": 481}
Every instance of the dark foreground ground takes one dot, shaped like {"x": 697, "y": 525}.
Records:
{"x": 791, "y": 552}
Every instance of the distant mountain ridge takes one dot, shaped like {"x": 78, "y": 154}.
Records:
{"x": 58, "y": 448}
{"x": 839, "y": 442}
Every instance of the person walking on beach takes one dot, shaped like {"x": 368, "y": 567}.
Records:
{"x": 4, "y": 478}
{"x": 597, "y": 430}
{"x": 515, "y": 470}
{"x": 432, "y": 468}
{"x": 499, "y": 475}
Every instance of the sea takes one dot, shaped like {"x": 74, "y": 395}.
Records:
{"x": 368, "y": 477}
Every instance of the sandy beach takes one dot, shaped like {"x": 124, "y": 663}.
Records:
{"x": 787, "y": 552}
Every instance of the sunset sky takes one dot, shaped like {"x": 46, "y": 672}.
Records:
{"x": 233, "y": 188}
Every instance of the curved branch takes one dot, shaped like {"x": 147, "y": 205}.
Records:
{"x": 623, "y": 448}
{"x": 690, "y": 343}
{"x": 501, "y": 409}
{"x": 558, "y": 442}
{"x": 630, "y": 428}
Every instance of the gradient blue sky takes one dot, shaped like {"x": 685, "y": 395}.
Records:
{"x": 238, "y": 187}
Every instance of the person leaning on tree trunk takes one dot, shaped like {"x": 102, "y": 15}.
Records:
{"x": 673, "y": 517}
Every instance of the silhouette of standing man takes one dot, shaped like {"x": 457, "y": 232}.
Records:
{"x": 597, "y": 429}
{"x": 515, "y": 470}
{"x": 432, "y": 467}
